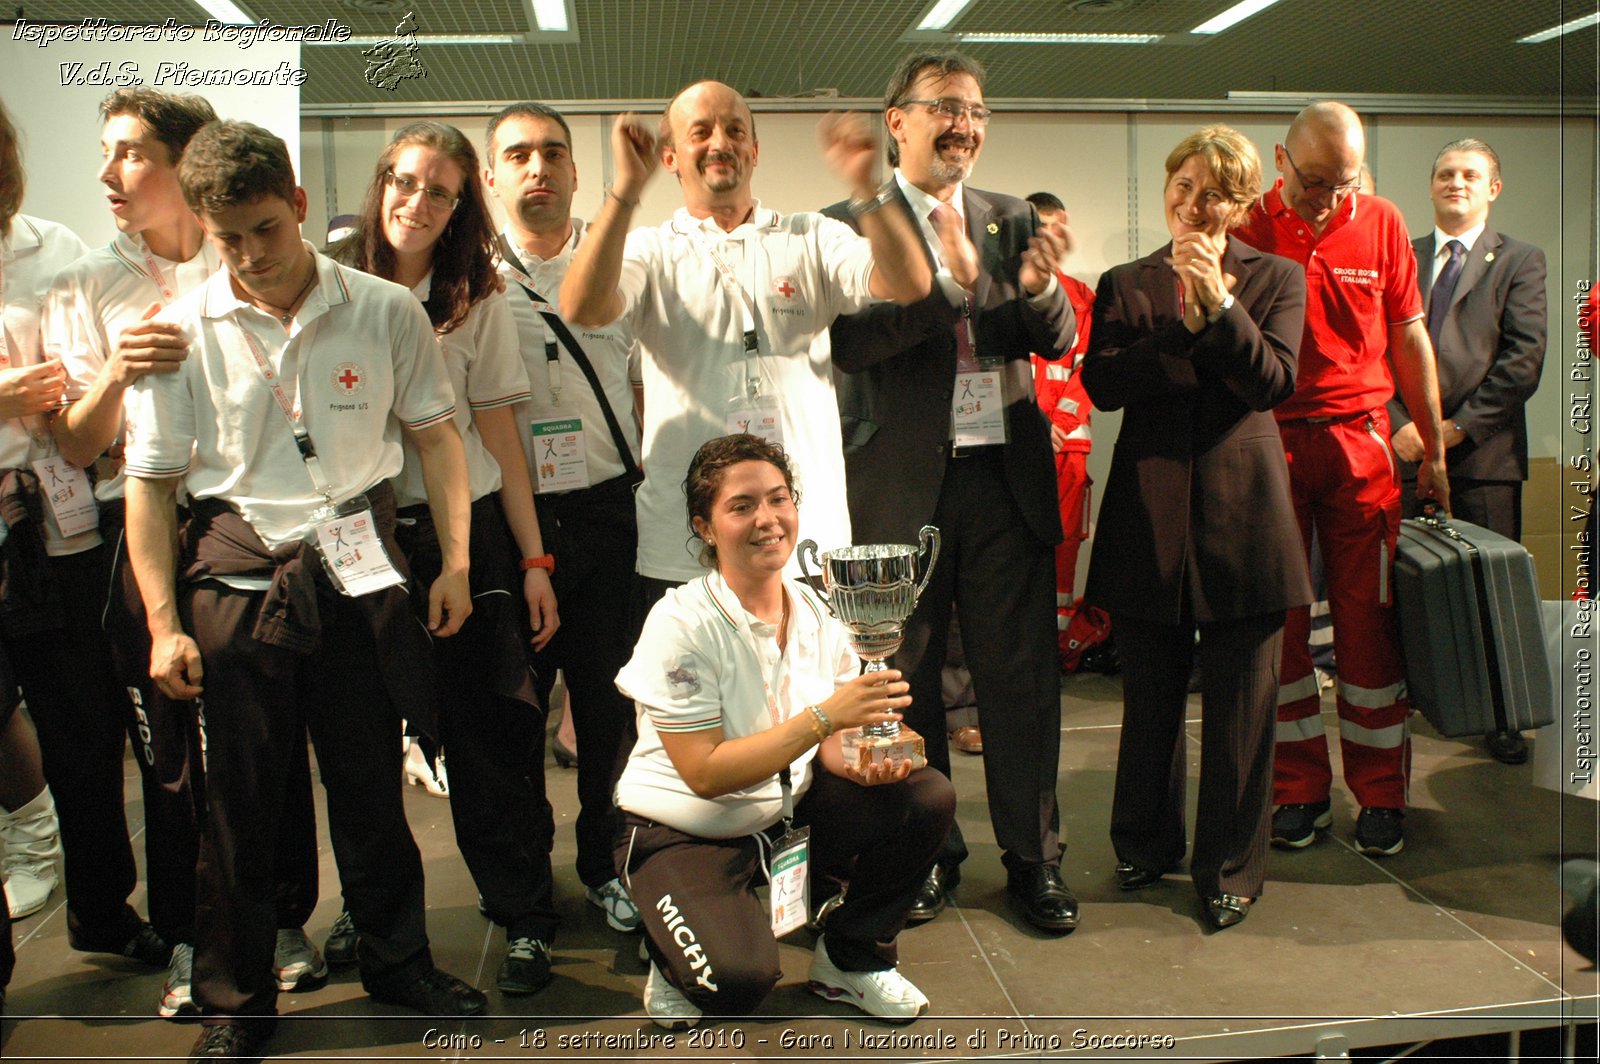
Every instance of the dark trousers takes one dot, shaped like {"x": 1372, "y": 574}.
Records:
{"x": 166, "y": 745}
{"x": 259, "y": 702}
{"x": 1492, "y": 504}
{"x": 1239, "y": 672}
{"x": 1002, "y": 577}
{"x": 494, "y": 741}
{"x": 883, "y": 840}
{"x": 83, "y": 719}
{"x": 593, "y": 535}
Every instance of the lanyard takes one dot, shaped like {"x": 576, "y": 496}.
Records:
{"x": 152, "y": 271}
{"x": 552, "y": 352}
{"x": 748, "y": 312}
{"x": 291, "y": 411}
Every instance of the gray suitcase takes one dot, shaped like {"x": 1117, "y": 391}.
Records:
{"x": 1470, "y": 628}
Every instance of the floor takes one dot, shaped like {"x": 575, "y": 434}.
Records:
{"x": 1456, "y": 937}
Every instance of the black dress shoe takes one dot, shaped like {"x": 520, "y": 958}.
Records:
{"x": 1045, "y": 901}
{"x": 1132, "y": 877}
{"x": 432, "y": 993}
{"x": 934, "y": 894}
{"x": 1507, "y": 747}
{"x": 1225, "y": 910}
{"x": 228, "y": 1041}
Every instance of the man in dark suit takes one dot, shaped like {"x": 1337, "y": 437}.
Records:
{"x": 940, "y": 428}
{"x": 1485, "y": 301}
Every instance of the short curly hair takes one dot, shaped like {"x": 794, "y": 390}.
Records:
{"x": 711, "y": 463}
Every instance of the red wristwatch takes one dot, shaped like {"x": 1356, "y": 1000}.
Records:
{"x": 547, "y": 562}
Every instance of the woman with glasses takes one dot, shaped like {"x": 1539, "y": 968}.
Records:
{"x": 1196, "y": 342}
{"x": 424, "y": 224}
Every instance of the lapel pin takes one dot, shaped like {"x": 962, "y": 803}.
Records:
{"x": 1489, "y": 257}
{"x": 994, "y": 227}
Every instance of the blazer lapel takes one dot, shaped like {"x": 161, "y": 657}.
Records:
{"x": 979, "y": 211}
{"x": 1477, "y": 264}
{"x": 916, "y": 225}
{"x": 1424, "y": 250}
{"x": 1157, "y": 278}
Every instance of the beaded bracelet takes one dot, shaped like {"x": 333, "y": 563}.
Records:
{"x": 820, "y": 723}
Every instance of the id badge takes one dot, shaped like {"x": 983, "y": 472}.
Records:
{"x": 791, "y": 868}
{"x": 757, "y": 415}
{"x": 68, "y": 493}
{"x": 352, "y": 551}
{"x": 560, "y": 460}
{"x": 978, "y": 409}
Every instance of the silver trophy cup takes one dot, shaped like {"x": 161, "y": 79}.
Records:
{"x": 872, "y": 589}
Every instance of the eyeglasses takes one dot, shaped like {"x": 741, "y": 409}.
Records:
{"x": 953, "y": 109}
{"x": 1315, "y": 187}
{"x": 409, "y": 186}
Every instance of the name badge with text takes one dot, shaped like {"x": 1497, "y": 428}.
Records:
{"x": 560, "y": 460}
{"x": 978, "y": 409}
{"x": 791, "y": 865}
{"x": 68, "y": 493}
{"x": 757, "y": 415}
{"x": 354, "y": 554}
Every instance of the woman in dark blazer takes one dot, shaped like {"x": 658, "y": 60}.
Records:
{"x": 1196, "y": 342}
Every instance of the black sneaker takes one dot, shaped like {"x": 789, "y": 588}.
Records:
{"x": 142, "y": 944}
{"x": 340, "y": 948}
{"x": 432, "y": 993}
{"x": 526, "y": 969}
{"x": 228, "y": 1041}
{"x": 1380, "y": 832}
{"x": 1295, "y": 826}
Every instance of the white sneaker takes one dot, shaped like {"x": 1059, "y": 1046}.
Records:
{"x": 431, "y": 778}
{"x": 620, "y": 911}
{"x": 297, "y": 964}
{"x": 176, "y": 998}
{"x": 886, "y": 994}
{"x": 665, "y": 1003}
{"x": 30, "y": 842}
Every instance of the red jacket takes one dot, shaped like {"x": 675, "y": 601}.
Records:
{"x": 1057, "y": 385}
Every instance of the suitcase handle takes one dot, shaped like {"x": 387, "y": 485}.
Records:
{"x": 1430, "y": 517}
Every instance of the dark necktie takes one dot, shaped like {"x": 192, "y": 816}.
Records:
{"x": 1444, "y": 289}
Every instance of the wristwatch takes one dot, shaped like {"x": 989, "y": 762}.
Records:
{"x": 1222, "y": 308}
{"x": 860, "y": 208}
{"x": 547, "y": 562}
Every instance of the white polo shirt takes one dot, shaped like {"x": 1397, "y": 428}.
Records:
{"x": 704, "y": 662}
{"x": 101, "y": 294}
{"x": 31, "y": 255}
{"x": 611, "y": 351}
{"x": 481, "y": 361}
{"x": 802, "y": 270}
{"x": 361, "y": 361}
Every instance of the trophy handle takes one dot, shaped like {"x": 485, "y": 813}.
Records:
{"x": 928, "y": 543}
{"x": 800, "y": 553}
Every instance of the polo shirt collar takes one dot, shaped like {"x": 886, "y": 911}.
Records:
{"x": 330, "y": 291}
{"x": 686, "y": 223}
{"x": 23, "y": 239}
{"x": 532, "y": 261}
{"x": 1272, "y": 200}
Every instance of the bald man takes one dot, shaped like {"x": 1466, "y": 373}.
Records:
{"x": 1362, "y": 300}
{"x": 731, "y": 303}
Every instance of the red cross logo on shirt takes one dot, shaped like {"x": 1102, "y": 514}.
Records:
{"x": 348, "y": 378}
{"x": 785, "y": 287}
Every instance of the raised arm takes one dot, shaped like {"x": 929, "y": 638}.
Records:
{"x": 900, "y": 271}
{"x": 589, "y": 295}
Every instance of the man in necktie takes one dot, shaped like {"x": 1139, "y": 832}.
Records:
{"x": 1488, "y": 321}
{"x": 940, "y": 428}
{"x": 1361, "y": 301}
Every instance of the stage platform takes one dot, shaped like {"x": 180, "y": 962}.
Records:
{"x": 1459, "y": 935}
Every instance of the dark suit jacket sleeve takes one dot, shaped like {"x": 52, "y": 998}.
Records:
{"x": 884, "y": 330}
{"x": 1128, "y": 362}
{"x": 1257, "y": 363}
{"x": 1519, "y": 358}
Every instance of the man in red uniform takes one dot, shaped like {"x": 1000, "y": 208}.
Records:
{"x": 1361, "y": 282}
{"x": 1066, "y": 405}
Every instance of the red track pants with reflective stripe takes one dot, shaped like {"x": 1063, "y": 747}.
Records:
{"x": 1342, "y": 477}
{"x": 1072, "y": 490}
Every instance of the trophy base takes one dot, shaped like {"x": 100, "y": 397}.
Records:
{"x": 863, "y": 750}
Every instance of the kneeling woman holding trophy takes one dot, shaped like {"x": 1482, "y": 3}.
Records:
{"x": 743, "y": 684}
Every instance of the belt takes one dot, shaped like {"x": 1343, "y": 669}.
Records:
{"x": 1335, "y": 419}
